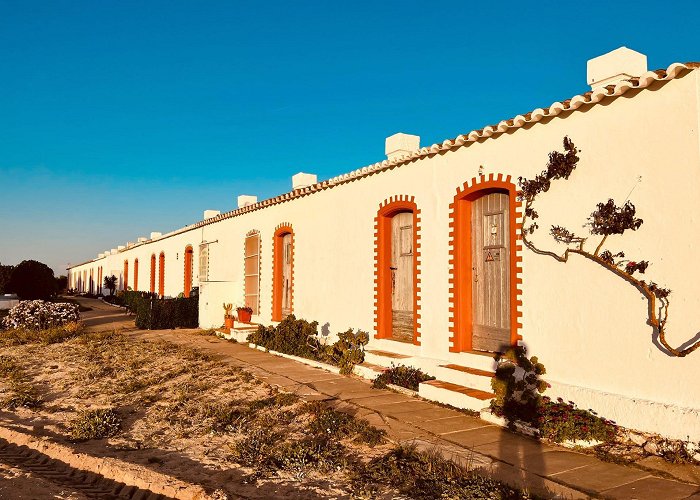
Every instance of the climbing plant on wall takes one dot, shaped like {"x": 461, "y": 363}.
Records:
{"x": 608, "y": 219}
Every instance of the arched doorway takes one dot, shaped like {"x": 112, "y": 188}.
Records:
{"x": 484, "y": 268}
{"x": 136, "y": 275}
{"x": 189, "y": 257}
{"x": 283, "y": 272}
{"x": 396, "y": 270}
{"x": 161, "y": 274}
{"x": 152, "y": 287}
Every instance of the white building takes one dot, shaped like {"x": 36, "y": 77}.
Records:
{"x": 391, "y": 248}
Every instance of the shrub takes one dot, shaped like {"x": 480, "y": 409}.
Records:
{"x": 299, "y": 337}
{"x": 95, "y": 424}
{"x": 336, "y": 425}
{"x": 39, "y": 315}
{"x": 32, "y": 280}
{"x": 561, "y": 421}
{"x": 403, "y": 376}
{"x": 425, "y": 475}
{"x": 153, "y": 313}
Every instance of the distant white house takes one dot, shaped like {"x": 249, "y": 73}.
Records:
{"x": 8, "y": 301}
{"x": 424, "y": 250}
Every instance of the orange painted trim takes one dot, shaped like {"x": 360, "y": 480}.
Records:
{"x": 152, "y": 287}
{"x": 161, "y": 274}
{"x": 280, "y": 232}
{"x": 136, "y": 275}
{"x": 189, "y": 256}
{"x": 460, "y": 283}
{"x": 126, "y": 274}
{"x": 382, "y": 262}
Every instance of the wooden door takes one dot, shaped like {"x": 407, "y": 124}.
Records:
{"x": 286, "y": 275}
{"x": 490, "y": 273}
{"x": 402, "y": 277}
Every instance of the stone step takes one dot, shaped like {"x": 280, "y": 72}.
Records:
{"x": 455, "y": 395}
{"x": 466, "y": 376}
{"x": 369, "y": 371}
{"x": 480, "y": 360}
{"x": 385, "y": 358}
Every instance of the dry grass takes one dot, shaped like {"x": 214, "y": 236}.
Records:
{"x": 191, "y": 415}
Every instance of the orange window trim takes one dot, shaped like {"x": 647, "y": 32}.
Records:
{"x": 382, "y": 263}
{"x": 153, "y": 273}
{"x": 188, "y": 269}
{"x": 136, "y": 275}
{"x": 277, "y": 254}
{"x": 161, "y": 274}
{"x": 461, "y": 257}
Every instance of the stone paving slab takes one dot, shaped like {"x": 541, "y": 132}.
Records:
{"x": 515, "y": 451}
{"x": 417, "y": 416}
{"x": 653, "y": 488}
{"x": 555, "y": 461}
{"x": 451, "y": 424}
{"x": 600, "y": 476}
{"x": 379, "y": 398}
{"x": 476, "y": 437}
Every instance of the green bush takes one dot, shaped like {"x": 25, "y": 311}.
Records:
{"x": 299, "y": 337}
{"x": 403, "y": 376}
{"x": 153, "y": 313}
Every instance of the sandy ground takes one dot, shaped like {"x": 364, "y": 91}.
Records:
{"x": 20, "y": 485}
{"x": 172, "y": 400}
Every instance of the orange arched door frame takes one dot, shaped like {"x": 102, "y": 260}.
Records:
{"x": 189, "y": 257}
{"x": 152, "y": 288}
{"x": 382, "y": 269}
{"x": 161, "y": 274}
{"x": 136, "y": 275}
{"x": 277, "y": 274}
{"x": 461, "y": 278}
{"x": 126, "y": 274}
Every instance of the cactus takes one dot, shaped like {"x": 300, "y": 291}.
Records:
{"x": 227, "y": 308}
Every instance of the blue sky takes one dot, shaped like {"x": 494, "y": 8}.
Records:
{"x": 121, "y": 118}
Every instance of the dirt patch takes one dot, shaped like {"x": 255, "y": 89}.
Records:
{"x": 180, "y": 412}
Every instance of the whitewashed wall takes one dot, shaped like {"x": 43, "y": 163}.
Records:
{"x": 587, "y": 326}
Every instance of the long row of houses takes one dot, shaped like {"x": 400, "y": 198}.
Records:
{"x": 424, "y": 250}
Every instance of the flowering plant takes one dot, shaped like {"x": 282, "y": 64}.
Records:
{"x": 39, "y": 315}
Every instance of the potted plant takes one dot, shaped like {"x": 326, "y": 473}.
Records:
{"x": 244, "y": 314}
{"x": 228, "y": 317}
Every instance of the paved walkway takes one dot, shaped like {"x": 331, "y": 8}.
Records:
{"x": 520, "y": 461}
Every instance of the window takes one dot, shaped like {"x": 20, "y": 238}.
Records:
{"x": 203, "y": 262}
{"x": 153, "y": 274}
{"x": 161, "y": 274}
{"x": 136, "y": 275}
{"x": 252, "y": 271}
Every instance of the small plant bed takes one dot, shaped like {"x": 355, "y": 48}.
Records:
{"x": 519, "y": 400}
{"x": 299, "y": 337}
{"x": 401, "y": 376}
{"x": 426, "y": 475}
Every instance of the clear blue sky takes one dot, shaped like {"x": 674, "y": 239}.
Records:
{"x": 121, "y": 118}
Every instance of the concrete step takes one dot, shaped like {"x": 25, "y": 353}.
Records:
{"x": 385, "y": 358}
{"x": 455, "y": 395}
{"x": 368, "y": 370}
{"x": 480, "y": 360}
{"x": 466, "y": 376}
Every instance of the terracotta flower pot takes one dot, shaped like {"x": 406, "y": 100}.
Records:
{"x": 228, "y": 323}
{"x": 244, "y": 316}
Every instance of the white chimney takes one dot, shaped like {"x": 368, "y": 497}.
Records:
{"x": 245, "y": 199}
{"x": 100, "y": 255}
{"x": 208, "y": 214}
{"x": 129, "y": 244}
{"x": 155, "y": 235}
{"x": 399, "y": 145}
{"x": 120, "y": 248}
{"x": 141, "y": 239}
{"x": 620, "y": 64}
{"x": 302, "y": 180}
{"x": 107, "y": 252}
{"x": 113, "y": 251}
